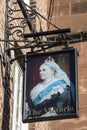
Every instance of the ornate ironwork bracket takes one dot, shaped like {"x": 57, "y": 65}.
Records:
{"x": 22, "y": 34}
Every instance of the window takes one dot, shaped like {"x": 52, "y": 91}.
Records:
{"x": 17, "y": 100}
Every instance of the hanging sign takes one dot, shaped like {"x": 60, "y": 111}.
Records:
{"x": 50, "y": 86}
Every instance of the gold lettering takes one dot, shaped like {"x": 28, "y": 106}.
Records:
{"x": 46, "y": 110}
{"x": 65, "y": 109}
{"x": 39, "y": 112}
{"x": 51, "y": 110}
{"x": 60, "y": 110}
{"x": 34, "y": 112}
{"x": 57, "y": 110}
{"x": 69, "y": 108}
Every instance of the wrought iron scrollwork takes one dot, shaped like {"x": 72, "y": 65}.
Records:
{"x": 16, "y": 22}
{"x": 20, "y": 22}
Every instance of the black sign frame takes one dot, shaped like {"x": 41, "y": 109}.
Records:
{"x": 67, "y": 59}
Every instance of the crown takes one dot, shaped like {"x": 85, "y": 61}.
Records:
{"x": 49, "y": 59}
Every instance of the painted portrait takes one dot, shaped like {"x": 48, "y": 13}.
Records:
{"x": 50, "y": 86}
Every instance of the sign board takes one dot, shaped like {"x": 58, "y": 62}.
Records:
{"x": 50, "y": 86}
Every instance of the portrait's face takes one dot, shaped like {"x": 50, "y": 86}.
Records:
{"x": 46, "y": 72}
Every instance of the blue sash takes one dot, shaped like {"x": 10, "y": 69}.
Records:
{"x": 47, "y": 90}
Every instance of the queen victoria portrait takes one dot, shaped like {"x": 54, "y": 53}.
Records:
{"x": 53, "y": 95}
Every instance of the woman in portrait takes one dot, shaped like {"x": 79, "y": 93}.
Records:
{"x": 53, "y": 94}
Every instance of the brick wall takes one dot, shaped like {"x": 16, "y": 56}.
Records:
{"x": 40, "y": 6}
{"x": 2, "y": 21}
{"x": 70, "y": 13}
